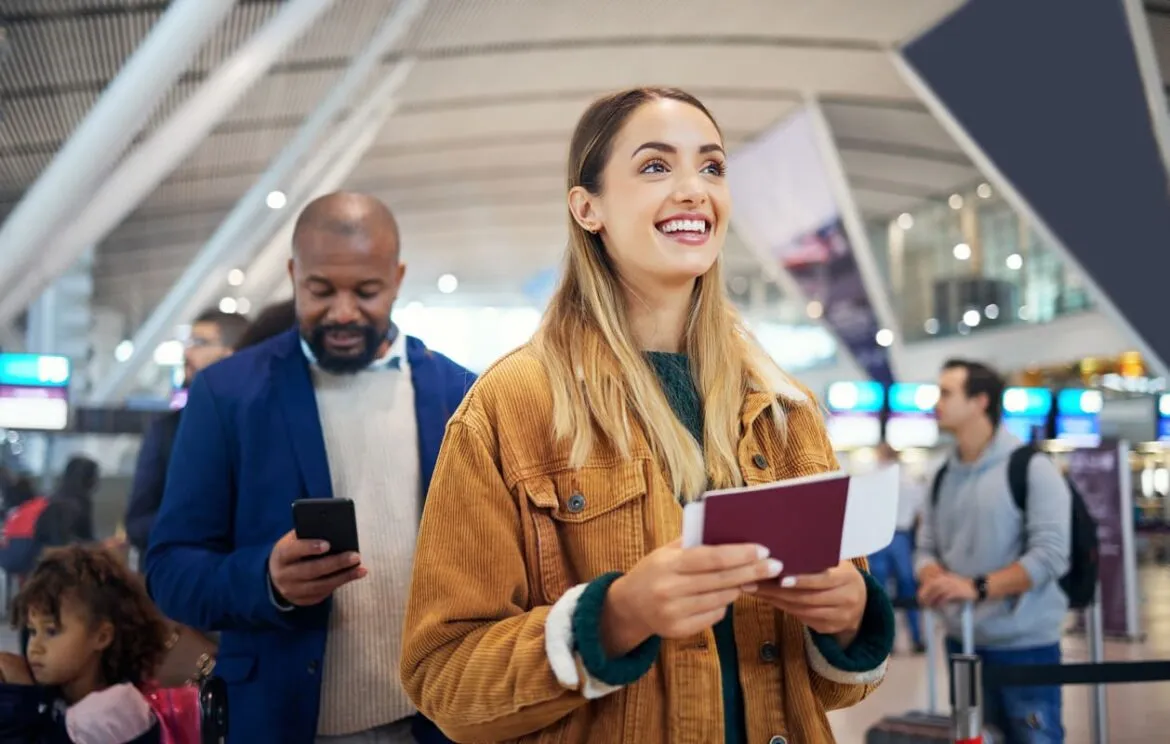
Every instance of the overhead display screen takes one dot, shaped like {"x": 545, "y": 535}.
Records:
{"x": 1078, "y": 417}
{"x": 1164, "y": 417}
{"x": 34, "y": 392}
{"x": 855, "y": 414}
{"x": 912, "y": 423}
{"x": 1026, "y": 411}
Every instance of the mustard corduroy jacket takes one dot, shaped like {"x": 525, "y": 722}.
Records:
{"x": 509, "y": 535}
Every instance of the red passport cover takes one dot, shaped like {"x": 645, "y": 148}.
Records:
{"x": 799, "y": 523}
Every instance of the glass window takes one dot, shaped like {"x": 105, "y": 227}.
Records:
{"x": 971, "y": 263}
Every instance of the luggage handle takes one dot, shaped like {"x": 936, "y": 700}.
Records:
{"x": 968, "y": 629}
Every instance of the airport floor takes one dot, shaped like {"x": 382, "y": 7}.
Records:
{"x": 1137, "y": 713}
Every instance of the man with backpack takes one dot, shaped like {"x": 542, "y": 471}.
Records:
{"x": 1001, "y": 548}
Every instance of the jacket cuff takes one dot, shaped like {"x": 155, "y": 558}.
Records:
{"x": 864, "y": 661}
{"x": 277, "y": 601}
{"x": 574, "y": 648}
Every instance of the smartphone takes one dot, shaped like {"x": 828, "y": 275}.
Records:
{"x": 331, "y": 520}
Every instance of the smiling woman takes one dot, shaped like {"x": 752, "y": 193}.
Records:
{"x": 641, "y": 389}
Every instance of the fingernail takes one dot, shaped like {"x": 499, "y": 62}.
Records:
{"x": 788, "y": 582}
{"x": 762, "y": 552}
{"x": 774, "y": 567}
{"x": 322, "y": 547}
{"x": 355, "y": 559}
{"x": 748, "y": 588}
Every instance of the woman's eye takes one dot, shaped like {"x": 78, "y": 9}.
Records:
{"x": 654, "y": 166}
{"x": 715, "y": 169}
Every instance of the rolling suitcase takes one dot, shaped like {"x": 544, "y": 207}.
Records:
{"x": 930, "y": 726}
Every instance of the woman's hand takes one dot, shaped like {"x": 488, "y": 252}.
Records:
{"x": 14, "y": 670}
{"x": 675, "y": 592}
{"x": 831, "y": 603}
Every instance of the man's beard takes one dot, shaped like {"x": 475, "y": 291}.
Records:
{"x": 350, "y": 364}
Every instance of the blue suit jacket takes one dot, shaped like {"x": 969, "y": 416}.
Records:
{"x": 248, "y": 445}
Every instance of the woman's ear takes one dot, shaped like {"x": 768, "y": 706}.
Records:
{"x": 583, "y": 207}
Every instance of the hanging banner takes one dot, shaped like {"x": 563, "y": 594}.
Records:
{"x": 1012, "y": 81}
{"x": 824, "y": 265}
{"x": 1101, "y": 474}
{"x": 786, "y": 212}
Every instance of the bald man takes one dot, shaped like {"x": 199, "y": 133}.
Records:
{"x": 341, "y": 406}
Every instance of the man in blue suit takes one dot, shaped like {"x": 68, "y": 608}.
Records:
{"x": 343, "y": 406}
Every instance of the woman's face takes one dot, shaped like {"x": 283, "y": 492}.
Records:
{"x": 664, "y": 202}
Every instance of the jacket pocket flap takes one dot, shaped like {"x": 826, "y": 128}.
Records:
{"x": 588, "y": 493}
{"x": 235, "y": 669}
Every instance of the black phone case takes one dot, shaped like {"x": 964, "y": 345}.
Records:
{"x": 331, "y": 520}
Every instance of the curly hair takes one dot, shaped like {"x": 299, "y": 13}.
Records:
{"x": 102, "y": 587}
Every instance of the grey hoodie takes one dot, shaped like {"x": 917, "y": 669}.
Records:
{"x": 976, "y": 529}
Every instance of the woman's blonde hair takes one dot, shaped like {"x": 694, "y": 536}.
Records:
{"x": 598, "y": 374}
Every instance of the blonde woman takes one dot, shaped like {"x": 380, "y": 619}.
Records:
{"x": 551, "y": 600}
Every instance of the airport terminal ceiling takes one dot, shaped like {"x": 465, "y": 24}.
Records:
{"x": 472, "y": 158}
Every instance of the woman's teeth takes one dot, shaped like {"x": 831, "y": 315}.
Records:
{"x": 696, "y": 226}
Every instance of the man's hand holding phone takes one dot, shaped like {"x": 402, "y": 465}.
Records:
{"x": 303, "y": 575}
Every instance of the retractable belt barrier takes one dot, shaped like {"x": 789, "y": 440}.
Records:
{"x": 969, "y": 675}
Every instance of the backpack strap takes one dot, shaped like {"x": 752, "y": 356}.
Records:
{"x": 936, "y": 487}
{"x": 1018, "y": 475}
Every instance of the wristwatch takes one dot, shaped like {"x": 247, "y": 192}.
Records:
{"x": 981, "y": 587}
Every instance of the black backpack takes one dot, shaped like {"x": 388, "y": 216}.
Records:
{"x": 1080, "y": 583}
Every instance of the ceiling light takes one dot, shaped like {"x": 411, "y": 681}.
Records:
{"x": 962, "y": 251}
{"x": 1024, "y": 312}
{"x": 243, "y": 305}
{"x": 1015, "y": 262}
{"x": 276, "y": 200}
{"x": 815, "y": 309}
{"x": 984, "y": 191}
{"x": 884, "y": 337}
{"x": 124, "y": 350}
{"x": 227, "y": 305}
{"x": 971, "y": 318}
{"x": 448, "y": 283}
{"x": 931, "y": 326}
{"x": 235, "y": 277}
{"x": 169, "y": 353}
{"x": 956, "y": 201}
{"x": 991, "y": 311}
{"x": 905, "y": 221}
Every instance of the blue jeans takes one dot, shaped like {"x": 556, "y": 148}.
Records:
{"x": 897, "y": 560}
{"x": 1024, "y": 715}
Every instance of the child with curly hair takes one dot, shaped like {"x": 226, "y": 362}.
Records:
{"x": 94, "y": 640}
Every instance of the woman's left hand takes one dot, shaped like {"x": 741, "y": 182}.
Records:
{"x": 831, "y": 603}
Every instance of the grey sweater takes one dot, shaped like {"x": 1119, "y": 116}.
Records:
{"x": 976, "y": 529}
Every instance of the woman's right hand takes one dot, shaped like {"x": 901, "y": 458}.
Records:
{"x": 675, "y": 592}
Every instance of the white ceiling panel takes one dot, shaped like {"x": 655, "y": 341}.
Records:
{"x": 690, "y": 65}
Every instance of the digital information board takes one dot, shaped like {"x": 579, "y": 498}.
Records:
{"x": 912, "y": 422}
{"x": 34, "y": 392}
{"x": 1026, "y": 410}
{"x": 855, "y": 414}
{"x": 1078, "y": 417}
{"x": 1164, "y": 417}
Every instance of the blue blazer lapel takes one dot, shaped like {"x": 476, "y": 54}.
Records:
{"x": 430, "y": 406}
{"x": 294, "y": 390}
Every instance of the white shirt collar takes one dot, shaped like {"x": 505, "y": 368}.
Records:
{"x": 394, "y": 358}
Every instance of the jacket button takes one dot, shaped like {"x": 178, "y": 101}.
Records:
{"x": 769, "y": 653}
{"x": 760, "y": 461}
{"x": 777, "y": 740}
{"x": 312, "y": 667}
{"x": 576, "y": 503}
